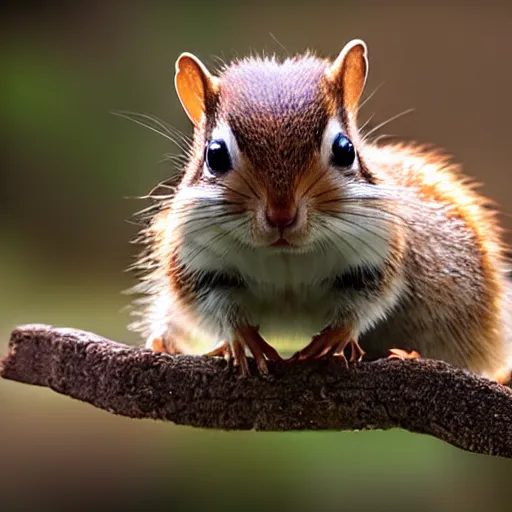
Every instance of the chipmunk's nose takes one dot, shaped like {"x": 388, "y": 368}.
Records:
{"x": 281, "y": 217}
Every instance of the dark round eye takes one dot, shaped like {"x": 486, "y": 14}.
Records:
{"x": 343, "y": 152}
{"x": 217, "y": 157}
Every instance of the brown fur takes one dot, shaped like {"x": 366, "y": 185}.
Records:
{"x": 449, "y": 253}
{"x": 253, "y": 104}
{"x": 454, "y": 263}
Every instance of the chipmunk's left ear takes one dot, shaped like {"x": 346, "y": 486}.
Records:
{"x": 348, "y": 73}
{"x": 195, "y": 86}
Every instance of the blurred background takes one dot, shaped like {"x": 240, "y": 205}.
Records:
{"x": 69, "y": 175}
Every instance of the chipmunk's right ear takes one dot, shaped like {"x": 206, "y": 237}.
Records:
{"x": 195, "y": 85}
{"x": 348, "y": 73}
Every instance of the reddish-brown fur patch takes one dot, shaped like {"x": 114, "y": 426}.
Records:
{"x": 434, "y": 179}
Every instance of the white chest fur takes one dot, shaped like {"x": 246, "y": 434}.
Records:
{"x": 287, "y": 293}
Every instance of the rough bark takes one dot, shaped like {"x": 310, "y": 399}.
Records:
{"x": 422, "y": 396}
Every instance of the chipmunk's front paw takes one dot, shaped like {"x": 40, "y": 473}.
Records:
{"x": 247, "y": 338}
{"x": 398, "y": 353}
{"x": 331, "y": 342}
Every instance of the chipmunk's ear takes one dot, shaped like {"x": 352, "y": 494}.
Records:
{"x": 195, "y": 85}
{"x": 348, "y": 73}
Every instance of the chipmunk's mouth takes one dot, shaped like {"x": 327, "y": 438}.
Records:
{"x": 281, "y": 243}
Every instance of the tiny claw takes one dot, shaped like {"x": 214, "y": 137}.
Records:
{"x": 262, "y": 366}
{"x": 327, "y": 343}
{"x": 398, "y": 353}
{"x": 249, "y": 337}
{"x": 246, "y": 338}
{"x": 356, "y": 353}
{"x": 240, "y": 358}
{"x": 341, "y": 355}
{"x": 327, "y": 352}
{"x": 221, "y": 350}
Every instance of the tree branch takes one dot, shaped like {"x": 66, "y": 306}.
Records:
{"x": 422, "y": 396}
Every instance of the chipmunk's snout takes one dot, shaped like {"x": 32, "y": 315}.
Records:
{"x": 281, "y": 216}
{"x": 282, "y": 224}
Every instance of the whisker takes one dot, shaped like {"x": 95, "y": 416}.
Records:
{"x": 338, "y": 232}
{"x": 175, "y": 137}
{"x": 325, "y": 192}
{"x": 148, "y": 209}
{"x": 384, "y": 123}
{"x": 279, "y": 43}
{"x": 358, "y": 193}
{"x": 221, "y": 63}
{"x": 377, "y": 139}
{"x": 204, "y": 228}
{"x": 365, "y": 124}
{"x": 161, "y": 196}
{"x": 203, "y": 212}
{"x": 178, "y": 160}
{"x": 361, "y": 226}
{"x": 366, "y": 100}
{"x": 208, "y": 205}
{"x": 170, "y": 130}
{"x": 237, "y": 192}
{"x": 201, "y": 249}
{"x": 392, "y": 215}
{"x": 166, "y": 185}
{"x": 249, "y": 185}
{"x": 208, "y": 222}
{"x": 336, "y": 236}
{"x": 366, "y": 214}
{"x": 313, "y": 184}
{"x": 207, "y": 211}
{"x": 184, "y": 216}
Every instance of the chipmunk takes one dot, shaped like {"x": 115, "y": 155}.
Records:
{"x": 288, "y": 222}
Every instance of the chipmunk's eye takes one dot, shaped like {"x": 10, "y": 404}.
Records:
{"x": 217, "y": 157}
{"x": 343, "y": 152}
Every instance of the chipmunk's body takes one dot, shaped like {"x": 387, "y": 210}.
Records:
{"x": 287, "y": 223}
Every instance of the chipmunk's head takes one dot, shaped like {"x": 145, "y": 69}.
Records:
{"x": 275, "y": 161}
